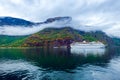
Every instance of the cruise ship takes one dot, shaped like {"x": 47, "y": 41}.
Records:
{"x": 87, "y": 45}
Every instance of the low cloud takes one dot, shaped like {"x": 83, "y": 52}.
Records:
{"x": 87, "y": 14}
{"x": 18, "y": 30}
{"x": 22, "y": 30}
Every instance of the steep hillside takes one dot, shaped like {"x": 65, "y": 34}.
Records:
{"x": 56, "y": 37}
{"x": 97, "y": 35}
{"x": 46, "y": 37}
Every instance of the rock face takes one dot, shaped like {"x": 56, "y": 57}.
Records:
{"x": 34, "y": 41}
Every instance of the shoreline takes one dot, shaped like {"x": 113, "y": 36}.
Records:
{"x": 18, "y": 47}
{"x": 28, "y": 47}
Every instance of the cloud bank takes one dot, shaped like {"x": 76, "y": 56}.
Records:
{"x": 23, "y": 30}
{"x": 91, "y": 14}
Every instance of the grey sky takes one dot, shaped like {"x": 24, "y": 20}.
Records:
{"x": 97, "y": 14}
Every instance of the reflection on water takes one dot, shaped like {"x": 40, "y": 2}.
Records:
{"x": 59, "y": 64}
{"x": 100, "y": 51}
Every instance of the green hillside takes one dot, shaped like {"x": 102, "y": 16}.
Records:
{"x": 11, "y": 41}
{"x": 55, "y": 37}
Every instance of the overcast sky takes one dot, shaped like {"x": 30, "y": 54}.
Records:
{"x": 95, "y": 14}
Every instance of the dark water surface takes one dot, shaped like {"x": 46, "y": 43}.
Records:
{"x": 59, "y": 64}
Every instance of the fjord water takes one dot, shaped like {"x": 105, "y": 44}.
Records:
{"x": 59, "y": 64}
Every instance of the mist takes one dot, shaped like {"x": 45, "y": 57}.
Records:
{"x": 18, "y": 30}
{"x": 87, "y": 15}
{"x": 110, "y": 30}
{"x": 23, "y": 30}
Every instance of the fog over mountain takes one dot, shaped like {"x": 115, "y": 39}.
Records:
{"x": 20, "y": 27}
{"x": 86, "y": 14}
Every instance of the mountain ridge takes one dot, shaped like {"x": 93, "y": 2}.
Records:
{"x": 11, "y": 21}
{"x": 51, "y": 36}
{"x": 57, "y": 37}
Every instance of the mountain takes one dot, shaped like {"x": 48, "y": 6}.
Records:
{"x": 17, "y": 27}
{"x": 10, "y": 21}
{"x": 98, "y": 35}
{"x": 55, "y": 37}
{"x": 65, "y": 36}
{"x": 64, "y": 20}
{"x": 51, "y": 36}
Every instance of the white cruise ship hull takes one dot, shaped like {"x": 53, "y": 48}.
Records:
{"x": 87, "y": 46}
